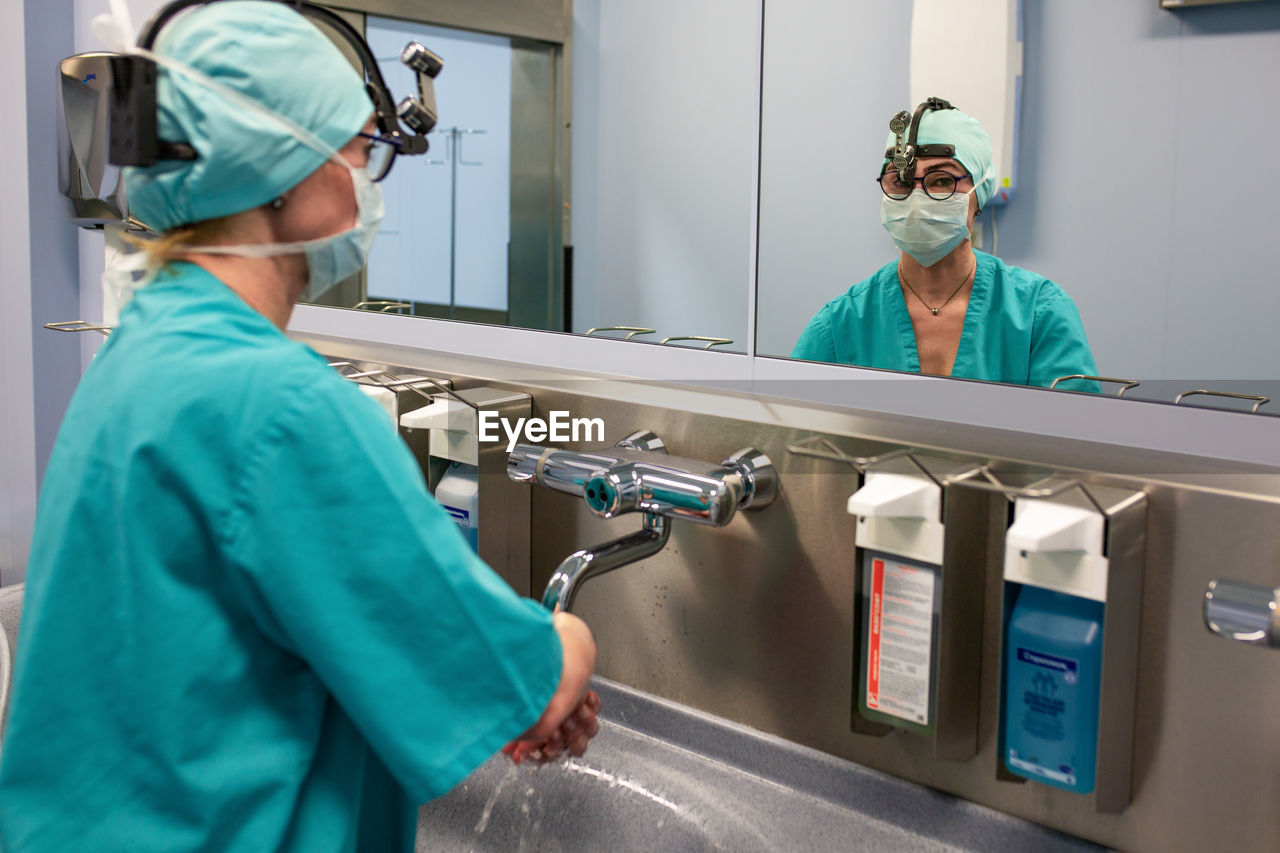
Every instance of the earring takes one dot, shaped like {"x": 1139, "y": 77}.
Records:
{"x": 277, "y": 203}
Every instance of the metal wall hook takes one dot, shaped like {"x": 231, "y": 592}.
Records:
{"x": 1127, "y": 383}
{"x": 712, "y": 342}
{"x": 859, "y": 463}
{"x": 829, "y": 452}
{"x": 391, "y": 382}
{"x": 453, "y": 137}
{"x": 1035, "y": 491}
{"x": 383, "y": 305}
{"x": 460, "y": 132}
{"x": 1259, "y": 400}
{"x": 634, "y": 330}
{"x": 78, "y": 326}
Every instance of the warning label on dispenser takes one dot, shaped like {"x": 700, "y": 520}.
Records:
{"x": 900, "y": 639}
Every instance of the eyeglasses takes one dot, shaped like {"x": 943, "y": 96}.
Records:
{"x": 939, "y": 184}
{"x": 382, "y": 153}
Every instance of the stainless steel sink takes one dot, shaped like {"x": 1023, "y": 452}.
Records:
{"x": 660, "y": 776}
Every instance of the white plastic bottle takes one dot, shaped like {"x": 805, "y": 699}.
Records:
{"x": 459, "y": 493}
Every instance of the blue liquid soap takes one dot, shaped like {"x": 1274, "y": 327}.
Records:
{"x": 1053, "y": 669}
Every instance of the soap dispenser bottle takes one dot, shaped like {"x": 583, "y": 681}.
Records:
{"x": 1056, "y": 578}
{"x": 899, "y": 537}
{"x": 454, "y": 436}
{"x": 1053, "y": 669}
{"x": 459, "y": 493}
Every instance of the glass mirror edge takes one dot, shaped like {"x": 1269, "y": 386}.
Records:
{"x": 1208, "y": 433}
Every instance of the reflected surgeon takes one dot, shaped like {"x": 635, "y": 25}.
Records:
{"x": 943, "y": 307}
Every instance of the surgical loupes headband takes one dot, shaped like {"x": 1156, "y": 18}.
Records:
{"x": 133, "y": 139}
{"x": 906, "y": 127}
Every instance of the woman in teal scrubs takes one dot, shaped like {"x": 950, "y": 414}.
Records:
{"x": 942, "y": 307}
{"x": 248, "y": 626}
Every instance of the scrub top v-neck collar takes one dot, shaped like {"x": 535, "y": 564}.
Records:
{"x": 979, "y": 294}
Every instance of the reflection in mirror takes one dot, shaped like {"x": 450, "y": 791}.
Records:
{"x": 941, "y": 307}
{"x": 1116, "y": 200}
{"x": 445, "y": 248}
{"x": 665, "y": 100}
{"x": 647, "y": 222}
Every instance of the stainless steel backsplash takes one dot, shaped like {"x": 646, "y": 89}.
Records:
{"x": 755, "y": 621}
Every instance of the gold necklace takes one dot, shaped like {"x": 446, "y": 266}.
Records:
{"x": 935, "y": 311}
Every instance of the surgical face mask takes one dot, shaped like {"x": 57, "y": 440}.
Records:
{"x": 925, "y": 228}
{"x": 329, "y": 259}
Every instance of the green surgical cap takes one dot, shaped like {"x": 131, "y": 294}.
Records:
{"x": 267, "y": 52}
{"x": 973, "y": 146}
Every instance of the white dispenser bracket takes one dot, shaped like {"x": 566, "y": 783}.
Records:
{"x": 1058, "y": 547}
{"x": 901, "y": 514}
{"x": 454, "y": 427}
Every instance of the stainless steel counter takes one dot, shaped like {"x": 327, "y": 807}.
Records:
{"x": 662, "y": 776}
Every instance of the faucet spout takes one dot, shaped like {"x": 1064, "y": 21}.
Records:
{"x": 582, "y": 565}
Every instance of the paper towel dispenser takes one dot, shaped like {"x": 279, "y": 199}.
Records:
{"x": 92, "y": 186}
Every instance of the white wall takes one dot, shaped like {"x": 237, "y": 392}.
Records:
{"x": 664, "y": 132}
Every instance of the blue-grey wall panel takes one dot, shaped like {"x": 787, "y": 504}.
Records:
{"x": 55, "y": 270}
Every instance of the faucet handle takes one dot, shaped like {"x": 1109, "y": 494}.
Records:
{"x": 759, "y": 477}
{"x": 683, "y": 488}
{"x": 1244, "y": 612}
{"x": 643, "y": 439}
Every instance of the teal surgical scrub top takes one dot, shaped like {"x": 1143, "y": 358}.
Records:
{"x": 1019, "y": 328}
{"x": 248, "y": 626}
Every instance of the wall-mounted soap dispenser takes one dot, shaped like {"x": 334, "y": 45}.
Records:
{"x": 921, "y": 579}
{"x": 468, "y": 477}
{"x": 1072, "y": 595}
{"x": 454, "y": 438}
{"x": 899, "y": 537}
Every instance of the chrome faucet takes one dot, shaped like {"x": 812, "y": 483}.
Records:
{"x": 637, "y": 475}
{"x": 592, "y": 562}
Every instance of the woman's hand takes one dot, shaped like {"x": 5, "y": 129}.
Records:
{"x": 569, "y": 720}
{"x": 571, "y": 736}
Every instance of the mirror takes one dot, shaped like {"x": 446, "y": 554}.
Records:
{"x": 1131, "y": 117}
{"x": 622, "y": 198}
